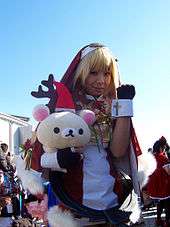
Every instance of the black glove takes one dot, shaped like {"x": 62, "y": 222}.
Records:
{"x": 67, "y": 159}
{"x": 126, "y": 92}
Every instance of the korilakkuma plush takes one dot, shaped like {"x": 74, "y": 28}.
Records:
{"x": 60, "y": 133}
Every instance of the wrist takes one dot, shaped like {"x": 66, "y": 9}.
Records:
{"x": 49, "y": 160}
{"x": 122, "y": 108}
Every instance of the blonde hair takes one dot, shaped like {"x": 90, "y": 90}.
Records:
{"x": 99, "y": 59}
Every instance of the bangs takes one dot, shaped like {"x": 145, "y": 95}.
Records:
{"x": 100, "y": 60}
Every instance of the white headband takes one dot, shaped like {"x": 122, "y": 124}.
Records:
{"x": 87, "y": 50}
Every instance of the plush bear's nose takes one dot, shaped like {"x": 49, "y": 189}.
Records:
{"x": 68, "y": 132}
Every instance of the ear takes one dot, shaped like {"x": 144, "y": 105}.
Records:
{"x": 88, "y": 116}
{"x": 40, "y": 112}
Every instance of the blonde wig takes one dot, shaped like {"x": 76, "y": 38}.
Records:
{"x": 99, "y": 59}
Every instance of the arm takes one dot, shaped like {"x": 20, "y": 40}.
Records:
{"x": 122, "y": 111}
{"x": 49, "y": 160}
{"x": 60, "y": 159}
{"x": 120, "y": 137}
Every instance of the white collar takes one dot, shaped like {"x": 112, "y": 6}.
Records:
{"x": 90, "y": 97}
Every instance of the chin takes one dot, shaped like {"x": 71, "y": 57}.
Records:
{"x": 97, "y": 93}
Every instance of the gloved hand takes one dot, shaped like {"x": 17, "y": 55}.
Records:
{"x": 126, "y": 92}
{"x": 67, "y": 158}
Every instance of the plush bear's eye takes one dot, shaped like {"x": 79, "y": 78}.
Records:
{"x": 81, "y": 131}
{"x": 56, "y": 130}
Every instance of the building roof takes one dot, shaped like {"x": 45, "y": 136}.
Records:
{"x": 23, "y": 121}
{"x": 22, "y": 118}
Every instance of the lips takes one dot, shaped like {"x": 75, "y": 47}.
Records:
{"x": 98, "y": 88}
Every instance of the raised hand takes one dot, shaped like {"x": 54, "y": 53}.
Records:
{"x": 126, "y": 92}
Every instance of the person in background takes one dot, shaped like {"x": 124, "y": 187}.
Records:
{"x": 2, "y": 191}
{"x": 1, "y": 182}
{"x": 3, "y": 154}
{"x": 10, "y": 164}
{"x": 5, "y": 199}
{"x": 4, "y": 147}
{"x": 158, "y": 186}
{"x": 9, "y": 202}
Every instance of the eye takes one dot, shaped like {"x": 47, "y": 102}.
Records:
{"x": 93, "y": 73}
{"x": 81, "y": 131}
{"x": 56, "y": 130}
{"x": 107, "y": 74}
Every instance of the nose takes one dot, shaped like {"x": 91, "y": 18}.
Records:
{"x": 100, "y": 78}
{"x": 68, "y": 132}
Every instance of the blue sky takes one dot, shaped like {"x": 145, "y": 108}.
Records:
{"x": 41, "y": 37}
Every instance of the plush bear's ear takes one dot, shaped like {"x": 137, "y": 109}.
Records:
{"x": 40, "y": 112}
{"x": 88, "y": 116}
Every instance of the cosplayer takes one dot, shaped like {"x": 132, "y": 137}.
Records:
{"x": 161, "y": 178}
{"x": 103, "y": 186}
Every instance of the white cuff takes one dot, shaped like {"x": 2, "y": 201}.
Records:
{"x": 122, "y": 108}
{"x": 49, "y": 160}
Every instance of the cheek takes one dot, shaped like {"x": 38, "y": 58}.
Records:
{"x": 107, "y": 81}
{"x": 89, "y": 80}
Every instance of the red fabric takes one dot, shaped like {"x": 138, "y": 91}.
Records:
{"x": 64, "y": 99}
{"x": 67, "y": 79}
{"x": 161, "y": 159}
{"x": 73, "y": 182}
{"x": 159, "y": 182}
{"x": 37, "y": 151}
{"x": 135, "y": 142}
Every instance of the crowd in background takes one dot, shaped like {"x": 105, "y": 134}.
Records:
{"x": 13, "y": 198}
{"x": 9, "y": 184}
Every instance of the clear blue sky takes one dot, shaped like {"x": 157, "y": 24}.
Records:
{"x": 41, "y": 37}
